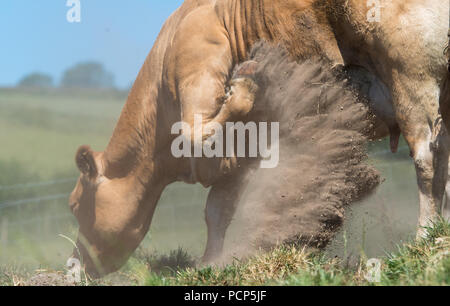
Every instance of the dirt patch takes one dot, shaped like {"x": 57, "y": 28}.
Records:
{"x": 323, "y": 156}
{"x": 45, "y": 279}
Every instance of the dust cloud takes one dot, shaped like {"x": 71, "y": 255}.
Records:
{"x": 323, "y": 156}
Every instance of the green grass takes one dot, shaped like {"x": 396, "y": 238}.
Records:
{"x": 423, "y": 262}
{"x": 42, "y": 130}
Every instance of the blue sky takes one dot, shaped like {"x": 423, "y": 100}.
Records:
{"x": 36, "y": 37}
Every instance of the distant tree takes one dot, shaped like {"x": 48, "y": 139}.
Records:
{"x": 37, "y": 80}
{"x": 87, "y": 75}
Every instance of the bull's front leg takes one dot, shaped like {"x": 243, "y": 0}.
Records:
{"x": 238, "y": 101}
{"x": 221, "y": 205}
{"x": 207, "y": 106}
{"x": 207, "y": 98}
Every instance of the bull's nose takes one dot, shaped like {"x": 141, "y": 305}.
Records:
{"x": 87, "y": 263}
{"x": 92, "y": 272}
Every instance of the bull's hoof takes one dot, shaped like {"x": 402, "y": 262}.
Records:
{"x": 208, "y": 260}
{"x": 241, "y": 96}
{"x": 422, "y": 233}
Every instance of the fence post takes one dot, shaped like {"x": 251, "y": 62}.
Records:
{"x": 4, "y": 231}
{"x": 46, "y": 225}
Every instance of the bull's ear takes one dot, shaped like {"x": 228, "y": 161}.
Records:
{"x": 85, "y": 161}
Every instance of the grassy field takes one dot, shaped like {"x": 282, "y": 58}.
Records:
{"x": 39, "y": 134}
{"x": 421, "y": 263}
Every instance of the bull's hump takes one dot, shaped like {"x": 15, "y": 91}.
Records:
{"x": 244, "y": 22}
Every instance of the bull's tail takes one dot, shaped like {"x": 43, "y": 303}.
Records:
{"x": 447, "y": 51}
{"x": 445, "y": 101}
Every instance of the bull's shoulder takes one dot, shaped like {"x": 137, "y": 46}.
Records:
{"x": 199, "y": 41}
{"x": 162, "y": 49}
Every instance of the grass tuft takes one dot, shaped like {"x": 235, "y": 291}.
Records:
{"x": 422, "y": 262}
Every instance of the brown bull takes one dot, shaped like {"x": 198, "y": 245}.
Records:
{"x": 190, "y": 66}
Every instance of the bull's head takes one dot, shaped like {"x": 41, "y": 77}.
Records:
{"x": 110, "y": 223}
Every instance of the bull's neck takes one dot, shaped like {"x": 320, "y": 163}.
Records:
{"x": 137, "y": 149}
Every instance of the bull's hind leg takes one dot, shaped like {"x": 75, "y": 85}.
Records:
{"x": 430, "y": 153}
{"x": 220, "y": 208}
{"x": 417, "y": 111}
{"x": 446, "y": 203}
{"x": 445, "y": 110}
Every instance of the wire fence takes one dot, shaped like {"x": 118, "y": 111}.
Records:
{"x": 38, "y": 184}
{"x": 47, "y": 218}
{"x": 42, "y": 223}
{"x": 58, "y": 196}
{"x": 33, "y": 200}
{"x": 39, "y": 221}
{"x": 35, "y": 185}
